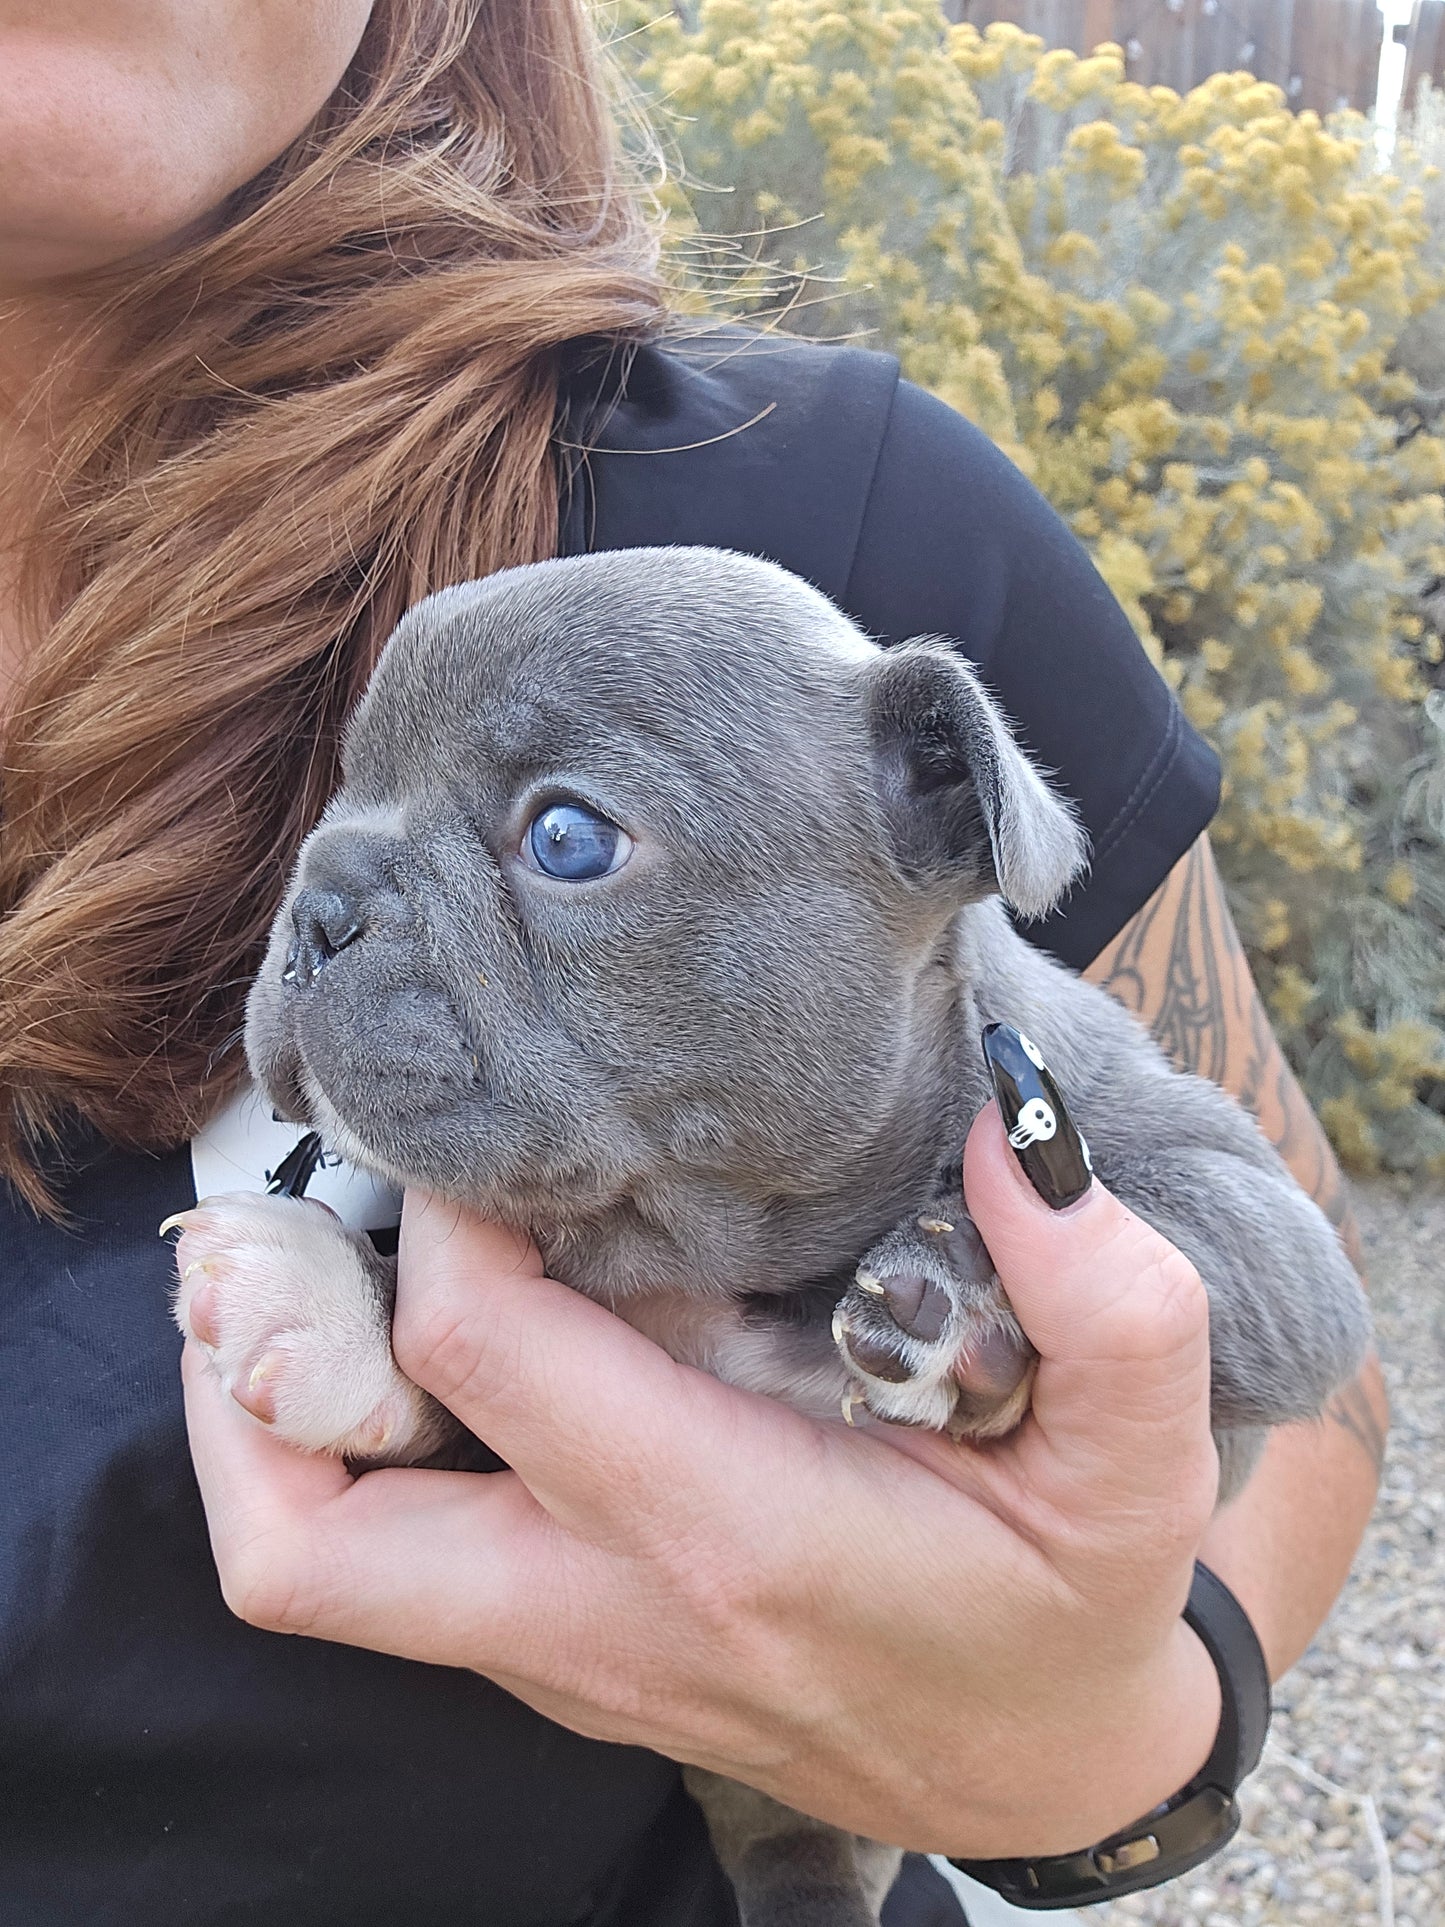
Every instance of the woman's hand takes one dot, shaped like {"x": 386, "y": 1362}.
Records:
{"x": 974, "y": 1652}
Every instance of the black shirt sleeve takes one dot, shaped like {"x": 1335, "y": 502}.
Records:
{"x": 955, "y": 542}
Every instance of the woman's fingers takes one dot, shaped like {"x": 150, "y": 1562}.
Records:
{"x": 595, "y": 1418}
{"x": 303, "y": 1547}
{"x": 237, "y": 1460}
{"x": 261, "y": 1498}
{"x": 615, "y": 1451}
{"x": 1120, "y": 1422}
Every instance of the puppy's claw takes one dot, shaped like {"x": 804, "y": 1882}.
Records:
{"x": 256, "y": 1396}
{"x": 868, "y": 1281}
{"x": 851, "y": 1401}
{"x": 373, "y": 1440}
{"x": 177, "y": 1221}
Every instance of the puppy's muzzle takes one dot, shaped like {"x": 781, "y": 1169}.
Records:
{"x": 325, "y": 922}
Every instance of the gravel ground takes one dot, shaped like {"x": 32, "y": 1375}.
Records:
{"x": 1344, "y": 1824}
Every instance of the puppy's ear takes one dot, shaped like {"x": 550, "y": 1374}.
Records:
{"x": 961, "y": 799}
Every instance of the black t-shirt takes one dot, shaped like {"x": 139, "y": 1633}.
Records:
{"x": 163, "y": 1765}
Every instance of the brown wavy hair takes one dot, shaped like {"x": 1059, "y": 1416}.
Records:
{"x": 340, "y": 399}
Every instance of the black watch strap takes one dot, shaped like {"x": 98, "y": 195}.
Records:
{"x": 1200, "y": 1819}
{"x": 1223, "y": 1628}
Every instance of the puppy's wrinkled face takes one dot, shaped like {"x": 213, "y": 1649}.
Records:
{"x": 612, "y": 885}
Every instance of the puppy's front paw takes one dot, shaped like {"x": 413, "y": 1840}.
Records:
{"x": 293, "y": 1312}
{"x": 928, "y": 1336}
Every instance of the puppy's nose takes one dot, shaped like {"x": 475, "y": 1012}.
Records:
{"x": 325, "y": 922}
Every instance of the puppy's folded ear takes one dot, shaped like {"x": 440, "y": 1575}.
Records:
{"x": 962, "y": 801}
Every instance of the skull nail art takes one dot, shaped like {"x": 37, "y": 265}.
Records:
{"x": 1051, "y": 1150}
{"x": 1036, "y": 1124}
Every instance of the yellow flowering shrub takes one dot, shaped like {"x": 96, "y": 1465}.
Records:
{"x": 1179, "y": 315}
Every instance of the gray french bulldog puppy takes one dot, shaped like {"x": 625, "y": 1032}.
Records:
{"x": 658, "y": 914}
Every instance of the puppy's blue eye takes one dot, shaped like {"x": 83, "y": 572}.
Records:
{"x": 575, "y": 844}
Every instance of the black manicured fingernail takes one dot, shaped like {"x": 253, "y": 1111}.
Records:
{"x": 1054, "y": 1156}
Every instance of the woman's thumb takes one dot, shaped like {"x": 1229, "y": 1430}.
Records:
{"x": 1120, "y": 1320}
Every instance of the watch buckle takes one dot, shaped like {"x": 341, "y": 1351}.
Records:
{"x": 1130, "y": 1853}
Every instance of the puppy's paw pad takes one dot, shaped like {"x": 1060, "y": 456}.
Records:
{"x": 929, "y": 1338}
{"x": 994, "y": 1373}
{"x": 291, "y": 1310}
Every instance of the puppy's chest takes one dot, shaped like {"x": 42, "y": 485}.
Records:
{"x": 777, "y": 1345}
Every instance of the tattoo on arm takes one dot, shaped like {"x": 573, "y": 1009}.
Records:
{"x": 1351, "y": 1409}
{"x": 1172, "y": 966}
{"x": 1180, "y": 967}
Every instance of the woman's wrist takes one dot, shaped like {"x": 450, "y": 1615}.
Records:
{"x": 1285, "y": 1545}
{"x": 1149, "y": 1739}
{"x": 1178, "y": 1725}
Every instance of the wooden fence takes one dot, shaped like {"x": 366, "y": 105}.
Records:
{"x": 1424, "y": 43}
{"x": 1325, "y": 54}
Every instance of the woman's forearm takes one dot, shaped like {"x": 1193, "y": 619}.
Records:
{"x": 1284, "y": 1547}
{"x": 1286, "y": 1543}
